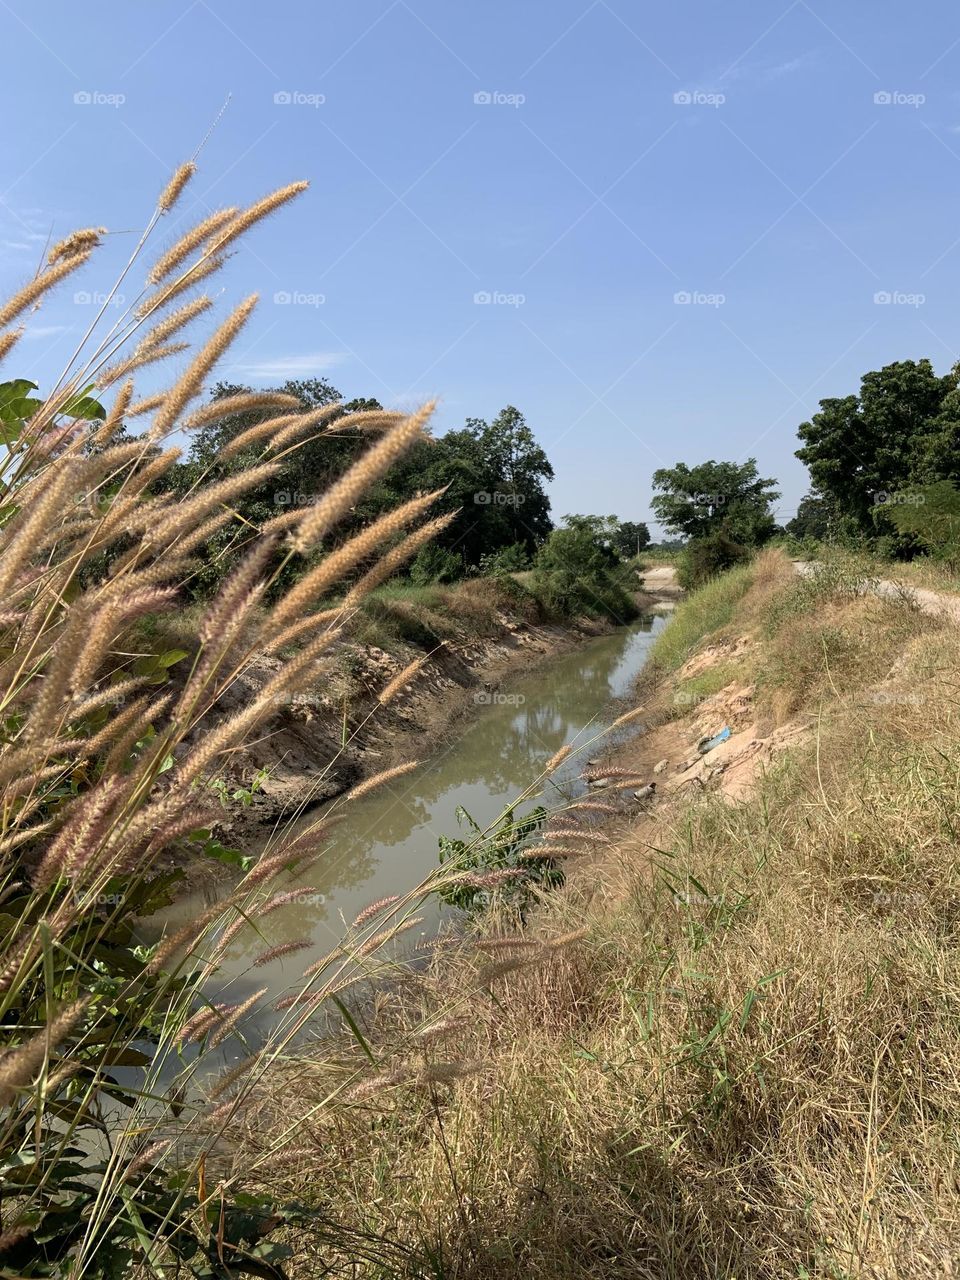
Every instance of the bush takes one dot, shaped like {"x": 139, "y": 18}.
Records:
{"x": 512, "y": 559}
{"x": 708, "y": 557}
{"x": 436, "y": 564}
{"x": 576, "y": 574}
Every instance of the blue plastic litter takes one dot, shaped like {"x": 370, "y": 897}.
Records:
{"x": 707, "y": 744}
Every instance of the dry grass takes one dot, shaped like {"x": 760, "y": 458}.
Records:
{"x": 105, "y": 774}
{"x": 747, "y": 1065}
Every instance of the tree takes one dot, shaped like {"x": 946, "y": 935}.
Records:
{"x": 630, "y": 538}
{"x": 624, "y": 538}
{"x": 713, "y": 497}
{"x": 576, "y": 571}
{"x": 902, "y": 429}
{"x": 931, "y": 516}
{"x": 521, "y": 467}
{"x": 495, "y": 474}
{"x": 817, "y": 517}
{"x": 492, "y": 475}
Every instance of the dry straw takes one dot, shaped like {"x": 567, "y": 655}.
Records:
{"x": 192, "y": 381}
{"x": 39, "y": 285}
{"x": 90, "y": 547}
{"x": 344, "y": 493}
{"x": 375, "y": 909}
{"x": 174, "y": 188}
{"x": 77, "y": 242}
{"x": 189, "y": 243}
{"x": 340, "y": 562}
{"x": 380, "y": 780}
{"x": 402, "y": 679}
{"x": 394, "y": 560}
{"x": 19, "y": 1066}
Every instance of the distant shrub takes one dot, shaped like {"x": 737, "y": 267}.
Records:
{"x": 930, "y": 516}
{"x": 512, "y": 559}
{"x": 576, "y": 574}
{"x": 436, "y": 564}
{"x": 707, "y": 557}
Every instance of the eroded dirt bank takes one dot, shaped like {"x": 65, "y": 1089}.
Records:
{"x": 320, "y": 743}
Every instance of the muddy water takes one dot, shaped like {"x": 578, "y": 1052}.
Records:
{"x": 388, "y": 843}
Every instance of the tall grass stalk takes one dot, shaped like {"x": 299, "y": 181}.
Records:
{"x": 105, "y": 1071}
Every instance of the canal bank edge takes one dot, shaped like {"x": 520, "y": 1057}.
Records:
{"x": 317, "y": 746}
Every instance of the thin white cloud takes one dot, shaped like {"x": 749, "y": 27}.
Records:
{"x": 44, "y": 331}
{"x": 305, "y": 366}
{"x": 763, "y": 70}
{"x": 786, "y": 68}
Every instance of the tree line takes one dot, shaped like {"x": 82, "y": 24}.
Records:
{"x": 493, "y": 476}
{"x": 885, "y": 477}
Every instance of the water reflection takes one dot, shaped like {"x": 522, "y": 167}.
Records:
{"x": 389, "y": 841}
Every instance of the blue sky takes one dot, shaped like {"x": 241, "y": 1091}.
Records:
{"x": 791, "y": 170}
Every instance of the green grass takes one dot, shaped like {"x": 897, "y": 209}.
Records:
{"x": 704, "y": 685}
{"x": 704, "y": 612}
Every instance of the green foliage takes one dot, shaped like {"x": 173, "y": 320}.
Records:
{"x": 576, "y": 573}
{"x": 901, "y": 432}
{"x": 818, "y": 518}
{"x": 512, "y": 559}
{"x": 716, "y": 497}
{"x": 624, "y": 538}
{"x": 630, "y": 538}
{"x": 707, "y": 557}
{"x": 498, "y": 850}
{"x": 435, "y": 564}
{"x": 931, "y": 515}
{"x": 17, "y": 406}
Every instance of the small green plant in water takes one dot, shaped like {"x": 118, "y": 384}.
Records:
{"x": 497, "y": 849}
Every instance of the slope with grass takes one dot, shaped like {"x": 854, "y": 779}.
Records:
{"x": 728, "y": 1047}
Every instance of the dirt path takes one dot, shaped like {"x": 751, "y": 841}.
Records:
{"x": 661, "y": 582}
{"x": 938, "y": 604}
